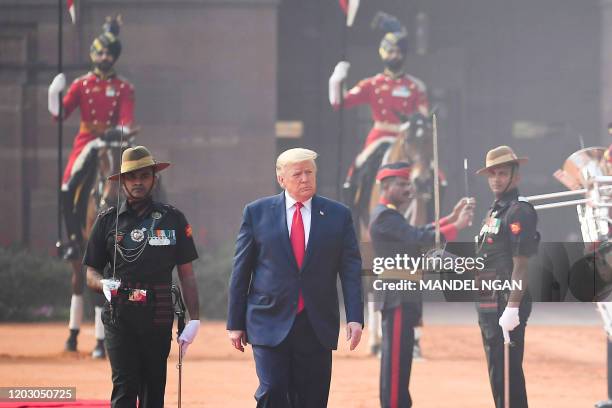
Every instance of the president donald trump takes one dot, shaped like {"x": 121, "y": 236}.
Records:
{"x": 283, "y": 300}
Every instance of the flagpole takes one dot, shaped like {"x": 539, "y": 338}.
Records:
{"x": 341, "y": 119}
{"x": 350, "y": 8}
{"x": 60, "y": 121}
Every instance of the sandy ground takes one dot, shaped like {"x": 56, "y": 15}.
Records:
{"x": 564, "y": 366}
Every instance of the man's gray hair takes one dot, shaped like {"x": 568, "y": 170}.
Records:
{"x": 294, "y": 156}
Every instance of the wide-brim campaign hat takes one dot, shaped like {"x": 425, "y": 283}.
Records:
{"x": 501, "y": 155}
{"x": 136, "y": 158}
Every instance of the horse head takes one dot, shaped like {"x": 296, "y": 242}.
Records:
{"x": 104, "y": 193}
{"x": 416, "y": 135}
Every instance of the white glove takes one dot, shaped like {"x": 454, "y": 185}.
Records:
{"x": 57, "y": 85}
{"x": 189, "y": 334}
{"x": 109, "y": 286}
{"x": 341, "y": 70}
{"x": 339, "y": 75}
{"x": 509, "y": 320}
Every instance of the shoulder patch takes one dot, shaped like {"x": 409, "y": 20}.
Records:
{"x": 515, "y": 228}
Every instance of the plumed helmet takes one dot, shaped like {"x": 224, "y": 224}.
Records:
{"x": 109, "y": 38}
{"x": 395, "y": 33}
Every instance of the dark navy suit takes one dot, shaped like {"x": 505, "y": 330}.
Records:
{"x": 293, "y": 352}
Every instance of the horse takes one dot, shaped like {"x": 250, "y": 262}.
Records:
{"x": 415, "y": 145}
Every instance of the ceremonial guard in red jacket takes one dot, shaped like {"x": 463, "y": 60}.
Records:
{"x": 106, "y": 104}
{"x": 393, "y": 95}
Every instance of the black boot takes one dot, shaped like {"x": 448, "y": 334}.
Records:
{"x": 99, "y": 351}
{"x": 70, "y": 251}
{"x": 71, "y": 343}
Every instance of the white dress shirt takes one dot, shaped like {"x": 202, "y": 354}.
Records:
{"x": 306, "y": 214}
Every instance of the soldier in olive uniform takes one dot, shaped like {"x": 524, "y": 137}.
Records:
{"x": 142, "y": 241}
{"x": 506, "y": 241}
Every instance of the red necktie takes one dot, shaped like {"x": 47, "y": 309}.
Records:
{"x": 298, "y": 243}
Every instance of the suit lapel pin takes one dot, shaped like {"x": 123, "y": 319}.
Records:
{"x": 321, "y": 212}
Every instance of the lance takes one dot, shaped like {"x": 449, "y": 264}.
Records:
{"x": 350, "y": 8}
{"x": 465, "y": 180}
{"x": 436, "y": 181}
{"x": 60, "y": 123}
{"x": 465, "y": 177}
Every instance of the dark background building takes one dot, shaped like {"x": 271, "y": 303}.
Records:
{"x": 214, "y": 77}
{"x": 523, "y": 73}
{"x": 205, "y": 78}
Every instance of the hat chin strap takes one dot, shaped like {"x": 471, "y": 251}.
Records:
{"x": 512, "y": 171}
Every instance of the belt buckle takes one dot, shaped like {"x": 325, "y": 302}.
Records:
{"x": 137, "y": 295}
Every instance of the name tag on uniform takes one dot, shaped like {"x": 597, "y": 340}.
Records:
{"x": 401, "y": 91}
{"x": 110, "y": 91}
{"x": 163, "y": 238}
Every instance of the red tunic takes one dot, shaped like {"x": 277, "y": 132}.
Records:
{"x": 104, "y": 104}
{"x": 385, "y": 95}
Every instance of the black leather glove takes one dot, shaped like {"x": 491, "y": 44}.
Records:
{"x": 112, "y": 135}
